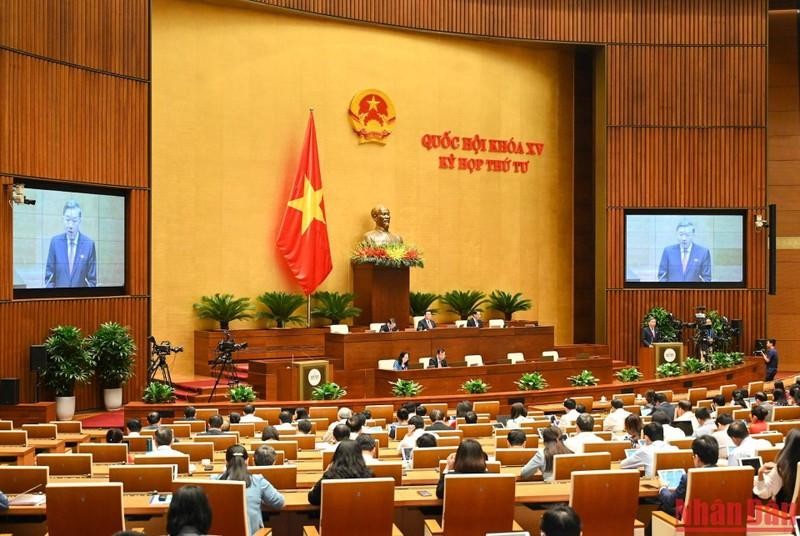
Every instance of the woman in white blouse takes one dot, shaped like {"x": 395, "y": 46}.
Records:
{"x": 776, "y": 480}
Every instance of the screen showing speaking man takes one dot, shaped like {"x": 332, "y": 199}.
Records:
{"x": 71, "y": 259}
{"x": 685, "y": 261}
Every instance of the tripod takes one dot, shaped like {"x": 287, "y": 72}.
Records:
{"x": 223, "y": 364}
{"x": 159, "y": 363}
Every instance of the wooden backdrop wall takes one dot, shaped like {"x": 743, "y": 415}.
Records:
{"x": 74, "y": 83}
{"x": 685, "y": 124}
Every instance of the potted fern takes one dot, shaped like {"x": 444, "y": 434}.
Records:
{"x": 668, "y": 370}
{"x": 158, "y": 393}
{"x": 419, "y": 302}
{"x": 335, "y": 306}
{"x": 327, "y": 391}
{"x": 223, "y": 308}
{"x": 69, "y": 362}
{"x": 281, "y": 307}
{"x": 583, "y": 379}
{"x": 113, "y": 351}
{"x": 463, "y": 302}
{"x": 475, "y": 386}
{"x": 629, "y": 374}
{"x": 405, "y": 388}
{"x": 508, "y": 303}
{"x": 241, "y": 393}
{"x": 531, "y": 381}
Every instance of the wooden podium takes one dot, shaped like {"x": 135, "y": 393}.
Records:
{"x": 381, "y": 293}
{"x": 309, "y": 374}
{"x": 661, "y": 352}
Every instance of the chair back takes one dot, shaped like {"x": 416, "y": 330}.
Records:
{"x": 268, "y": 414}
{"x": 474, "y": 360}
{"x": 381, "y": 437}
{"x": 754, "y": 387}
{"x": 515, "y": 357}
{"x": 68, "y": 427}
{"x": 386, "y": 364}
{"x": 66, "y": 464}
{"x": 509, "y": 456}
{"x": 20, "y": 479}
{"x": 593, "y": 494}
{"x": 220, "y": 441}
{"x": 280, "y": 476}
{"x": 492, "y": 407}
{"x": 105, "y": 452}
{"x": 565, "y": 464}
{"x": 628, "y": 399}
{"x": 13, "y": 438}
{"x": 203, "y": 414}
{"x": 6, "y": 425}
{"x": 696, "y": 394}
{"x": 497, "y": 323}
{"x": 139, "y": 478}
{"x": 304, "y": 441}
{"x": 289, "y": 448}
{"x": 587, "y": 401}
{"x": 741, "y": 414}
{"x": 138, "y": 443}
{"x": 491, "y": 466}
{"x": 682, "y": 443}
{"x": 181, "y": 460}
{"x": 196, "y": 450}
{"x": 783, "y": 426}
{"x": 341, "y": 329}
{"x": 769, "y": 455}
{"x": 727, "y": 391}
{"x": 461, "y": 323}
{"x": 375, "y": 327}
{"x": 329, "y": 412}
{"x": 729, "y": 486}
{"x": 424, "y": 361}
{"x": 41, "y": 431}
{"x": 477, "y": 430}
{"x": 369, "y": 500}
{"x": 327, "y": 457}
{"x": 244, "y": 429}
{"x": 615, "y": 448}
{"x": 429, "y": 457}
{"x": 195, "y": 426}
{"x": 550, "y": 355}
{"x": 531, "y": 441}
{"x": 491, "y": 503}
{"x": 388, "y": 470}
{"x": 785, "y": 413}
{"x": 179, "y": 430}
{"x": 672, "y": 459}
{"x": 448, "y": 441}
{"x": 451, "y": 433}
{"x": 226, "y": 497}
{"x": 415, "y": 321}
{"x": 772, "y": 437}
{"x": 76, "y": 508}
{"x": 382, "y": 411}
{"x": 633, "y": 408}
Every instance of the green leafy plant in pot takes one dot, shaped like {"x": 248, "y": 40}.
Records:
{"x": 113, "y": 350}
{"x": 508, "y": 303}
{"x": 463, "y": 302}
{"x": 692, "y": 365}
{"x": 583, "y": 379}
{"x": 223, "y": 308}
{"x": 335, "y": 306}
{"x": 69, "y": 361}
{"x": 158, "y": 393}
{"x": 405, "y": 388}
{"x": 475, "y": 386}
{"x": 668, "y": 370}
{"x": 281, "y": 307}
{"x": 327, "y": 391}
{"x": 629, "y": 374}
{"x": 241, "y": 393}
{"x": 531, "y": 381}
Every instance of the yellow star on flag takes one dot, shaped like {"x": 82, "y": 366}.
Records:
{"x": 309, "y": 205}
{"x": 373, "y": 103}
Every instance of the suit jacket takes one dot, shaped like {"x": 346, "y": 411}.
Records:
{"x": 698, "y": 267}
{"x": 647, "y": 336}
{"x": 438, "y": 425}
{"x": 422, "y": 325}
{"x": 385, "y": 328}
{"x": 472, "y": 324}
{"x": 84, "y": 268}
{"x": 433, "y": 363}
{"x": 667, "y": 408}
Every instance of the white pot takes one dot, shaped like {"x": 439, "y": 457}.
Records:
{"x": 112, "y": 398}
{"x": 65, "y": 408}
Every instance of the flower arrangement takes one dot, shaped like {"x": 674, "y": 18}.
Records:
{"x": 397, "y": 255}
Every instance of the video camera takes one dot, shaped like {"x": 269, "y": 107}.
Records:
{"x": 163, "y": 349}
{"x": 227, "y": 345}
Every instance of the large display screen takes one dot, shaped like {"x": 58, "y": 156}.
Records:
{"x": 69, "y": 240}
{"x": 692, "y": 248}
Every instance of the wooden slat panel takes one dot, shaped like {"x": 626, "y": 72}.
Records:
{"x": 66, "y": 123}
{"x": 108, "y": 35}
{"x": 138, "y": 253}
{"x": 24, "y": 323}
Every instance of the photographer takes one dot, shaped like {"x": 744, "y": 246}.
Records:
{"x": 771, "y": 359}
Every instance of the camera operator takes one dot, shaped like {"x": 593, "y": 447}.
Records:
{"x": 771, "y": 359}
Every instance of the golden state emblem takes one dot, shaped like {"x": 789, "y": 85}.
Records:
{"x": 372, "y": 116}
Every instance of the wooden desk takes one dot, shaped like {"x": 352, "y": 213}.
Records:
{"x": 55, "y": 446}
{"x": 362, "y": 350}
{"x": 24, "y": 455}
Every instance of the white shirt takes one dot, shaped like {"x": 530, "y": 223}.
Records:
{"x": 568, "y": 418}
{"x": 287, "y": 426}
{"x": 517, "y": 423}
{"x": 670, "y": 433}
{"x": 645, "y": 456}
{"x": 615, "y": 422}
{"x": 329, "y": 433}
{"x": 770, "y": 486}
{"x": 747, "y": 449}
{"x": 251, "y": 417}
{"x": 410, "y": 439}
{"x": 724, "y": 441}
{"x": 165, "y": 450}
{"x": 576, "y": 442}
{"x": 705, "y": 429}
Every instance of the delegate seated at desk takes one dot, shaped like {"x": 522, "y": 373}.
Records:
{"x": 440, "y": 361}
{"x": 474, "y": 321}
{"x": 389, "y": 326}
{"x": 426, "y": 323}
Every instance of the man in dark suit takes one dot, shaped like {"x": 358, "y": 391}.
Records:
{"x": 706, "y": 454}
{"x": 214, "y": 426}
{"x": 685, "y": 261}
{"x": 474, "y": 321}
{"x": 427, "y": 322}
{"x": 650, "y": 333}
{"x": 391, "y": 325}
{"x": 440, "y": 361}
{"x": 437, "y": 421}
{"x": 71, "y": 260}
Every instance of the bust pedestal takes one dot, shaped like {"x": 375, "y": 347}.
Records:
{"x": 381, "y": 293}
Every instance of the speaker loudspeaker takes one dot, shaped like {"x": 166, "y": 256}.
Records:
{"x": 38, "y": 357}
{"x": 9, "y": 391}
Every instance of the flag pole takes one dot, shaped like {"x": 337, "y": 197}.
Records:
{"x": 308, "y": 310}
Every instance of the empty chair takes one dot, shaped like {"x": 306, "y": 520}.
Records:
{"x": 304, "y": 442}
{"x": 66, "y": 464}
{"x": 141, "y": 478}
{"x": 341, "y": 329}
{"x": 105, "y": 452}
{"x": 138, "y": 443}
{"x": 68, "y": 427}
{"x": 179, "y": 460}
{"x": 615, "y": 448}
{"x": 375, "y": 327}
{"x": 197, "y": 451}
{"x": 386, "y": 364}
{"x": 425, "y": 361}
{"x": 21, "y": 479}
{"x": 13, "y": 438}
{"x": 78, "y": 508}
{"x": 673, "y": 459}
{"x": 382, "y": 411}
{"x": 697, "y": 394}
{"x": 244, "y": 429}
{"x": 329, "y": 412}
{"x": 179, "y": 430}
{"x": 515, "y": 357}
{"x": 550, "y": 355}
{"x": 220, "y": 442}
{"x": 497, "y": 323}
{"x": 203, "y": 414}
{"x": 754, "y": 387}
{"x": 280, "y": 476}
{"x": 476, "y": 504}
{"x": 565, "y": 464}
{"x": 596, "y": 494}
{"x": 492, "y": 407}
{"x": 195, "y": 427}
{"x": 268, "y": 414}
{"x": 461, "y": 323}
{"x": 388, "y": 470}
{"x": 477, "y": 430}
{"x": 507, "y": 456}
{"x": 430, "y": 457}
{"x": 6, "y": 425}
{"x": 355, "y": 502}
{"x": 41, "y": 431}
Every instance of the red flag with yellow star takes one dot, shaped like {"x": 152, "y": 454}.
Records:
{"x": 303, "y": 235}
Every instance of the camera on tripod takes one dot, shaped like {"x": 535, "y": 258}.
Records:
{"x": 226, "y": 347}
{"x": 165, "y": 348}
{"x": 158, "y": 361}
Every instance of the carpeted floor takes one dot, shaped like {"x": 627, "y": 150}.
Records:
{"x": 108, "y": 419}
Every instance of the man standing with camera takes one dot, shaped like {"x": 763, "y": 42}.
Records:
{"x": 771, "y": 359}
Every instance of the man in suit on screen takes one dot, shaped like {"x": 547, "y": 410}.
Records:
{"x": 72, "y": 260}
{"x": 685, "y": 261}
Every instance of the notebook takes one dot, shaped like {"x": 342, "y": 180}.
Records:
{"x": 671, "y": 477}
{"x": 630, "y": 452}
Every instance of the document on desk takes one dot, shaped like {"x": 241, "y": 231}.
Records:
{"x": 27, "y": 499}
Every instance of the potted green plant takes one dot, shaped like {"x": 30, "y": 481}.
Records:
{"x": 475, "y": 386}
{"x": 419, "y": 302}
{"x": 241, "y": 393}
{"x": 335, "y": 306}
{"x": 69, "y": 362}
{"x": 223, "y": 308}
{"x": 463, "y": 302}
{"x": 327, "y": 391}
{"x": 508, "y": 303}
{"x": 281, "y": 307}
{"x": 158, "y": 393}
{"x": 583, "y": 379}
{"x": 531, "y": 381}
{"x": 668, "y": 370}
{"x": 405, "y": 388}
{"x": 629, "y": 374}
{"x": 692, "y": 365}
{"x": 113, "y": 350}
